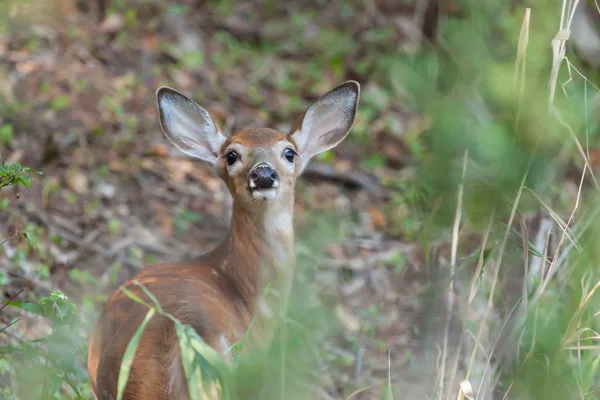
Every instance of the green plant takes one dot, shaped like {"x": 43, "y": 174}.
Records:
{"x": 60, "y": 103}
{"x": 183, "y": 218}
{"x": 47, "y": 367}
{"x": 14, "y": 174}
{"x": 6, "y": 134}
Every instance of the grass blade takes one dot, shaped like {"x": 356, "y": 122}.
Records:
{"x": 201, "y": 363}
{"x": 191, "y": 366}
{"x": 388, "y": 394}
{"x": 130, "y": 353}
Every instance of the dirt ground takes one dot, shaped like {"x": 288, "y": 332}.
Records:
{"x": 78, "y": 82}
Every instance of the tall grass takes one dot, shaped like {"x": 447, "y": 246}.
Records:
{"x": 537, "y": 334}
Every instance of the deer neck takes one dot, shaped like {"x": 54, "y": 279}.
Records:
{"x": 259, "y": 251}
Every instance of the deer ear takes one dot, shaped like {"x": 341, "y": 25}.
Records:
{"x": 188, "y": 126}
{"x": 327, "y": 121}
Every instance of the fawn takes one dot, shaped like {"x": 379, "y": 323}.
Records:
{"x": 219, "y": 293}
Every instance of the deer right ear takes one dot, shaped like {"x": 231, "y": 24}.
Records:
{"x": 188, "y": 126}
{"x": 327, "y": 122}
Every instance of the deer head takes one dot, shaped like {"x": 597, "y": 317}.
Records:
{"x": 258, "y": 165}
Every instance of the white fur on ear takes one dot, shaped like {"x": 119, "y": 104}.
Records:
{"x": 327, "y": 122}
{"x": 188, "y": 126}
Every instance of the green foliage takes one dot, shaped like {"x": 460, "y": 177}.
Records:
{"x": 114, "y": 226}
{"x": 183, "y": 219}
{"x": 49, "y": 367}
{"x": 193, "y": 60}
{"x": 472, "y": 96}
{"x": 201, "y": 363}
{"x": 60, "y": 103}
{"x": 83, "y": 276}
{"x": 14, "y": 174}
{"x": 57, "y": 308}
{"x": 6, "y": 134}
{"x": 3, "y": 278}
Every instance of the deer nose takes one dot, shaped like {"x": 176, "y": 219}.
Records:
{"x": 262, "y": 176}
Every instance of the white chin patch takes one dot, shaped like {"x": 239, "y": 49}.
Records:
{"x": 259, "y": 194}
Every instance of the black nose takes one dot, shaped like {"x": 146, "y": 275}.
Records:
{"x": 263, "y": 176}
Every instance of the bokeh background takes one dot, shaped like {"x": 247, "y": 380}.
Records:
{"x": 447, "y": 249}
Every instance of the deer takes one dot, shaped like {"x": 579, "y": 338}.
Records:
{"x": 220, "y": 292}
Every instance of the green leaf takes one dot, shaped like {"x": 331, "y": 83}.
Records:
{"x": 133, "y": 296}
{"x": 13, "y": 174}
{"x": 114, "y": 272}
{"x": 82, "y": 276}
{"x": 114, "y": 226}
{"x": 60, "y": 103}
{"x": 25, "y": 180}
{"x": 389, "y": 395}
{"x": 194, "y": 60}
{"x": 595, "y": 366}
{"x": 130, "y": 353}
{"x": 32, "y": 308}
{"x": 191, "y": 365}
{"x": 6, "y": 134}
{"x": 201, "y": 362}
{"x": 151, "y": 296}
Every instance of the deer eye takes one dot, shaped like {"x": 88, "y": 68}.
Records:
{"x": 231, "y": 157}
{"x": 289, "y": 155}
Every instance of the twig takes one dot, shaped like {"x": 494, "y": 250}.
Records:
{"x": 9, "y": 325}
{"x": 10, "y": 332}
{"x": 493, "y": 349}
{"x": 352, "y": 178}
{"x": 538, "y": 264}
{"x": 453, "y": 251}
{"x": 551, "y": 269}
{"x": 559, "y": 45}
{"x": 316, "y": 389}
{"x": 455, "y": 367}
{"x": 11, "y": 299}
{"x": 17, "y": 233}
{"x": 361, "y": 390}
{"x": 557, "y": 219}
{"x": 586, "y": 160}
{"x": 359, "y": 363}
{"x": 486, "y": 234}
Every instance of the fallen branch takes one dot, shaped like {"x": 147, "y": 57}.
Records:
{"x": 352, "y": 178}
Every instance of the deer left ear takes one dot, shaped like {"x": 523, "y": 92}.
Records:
{"x": 327, "y": 122}
{"x": 188, "y": 126}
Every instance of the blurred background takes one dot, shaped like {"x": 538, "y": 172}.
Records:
{"x": 447, "y": 249}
